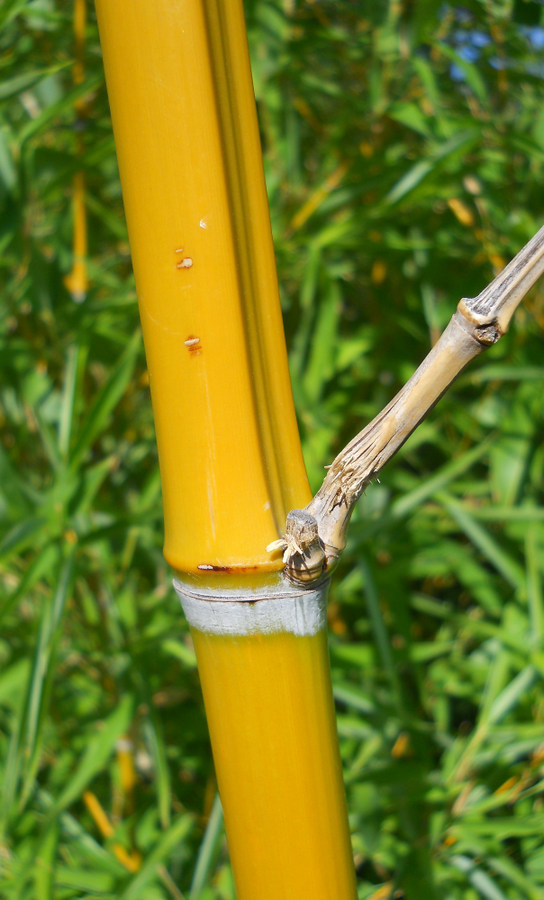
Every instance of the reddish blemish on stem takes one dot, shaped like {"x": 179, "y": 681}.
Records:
{"x": 193, "y": 345}
{"x": 206, "y": 567}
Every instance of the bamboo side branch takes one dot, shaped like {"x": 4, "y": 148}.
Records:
{"x": 315, "y": 537}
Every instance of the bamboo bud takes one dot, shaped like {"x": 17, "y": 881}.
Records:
{"x": 302, "y": 546}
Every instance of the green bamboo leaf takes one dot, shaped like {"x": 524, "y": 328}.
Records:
{"x": 41, "y": 679}
{"x": 68, "y": 399}
{"x": 86, "y": 882}
{"x": 411, "y": 179}
{"x": 54, "y": 110}
{"x": 448, "y": 473}
{"x": 510, "y": 514}
{"x": 302, "y": 342}
{"x": 411, "y": 115}
{"x": 16, "y": 499}
{"x": 506, "y": 828}
{"x": 25, "y": 746}
{"x": 8, "y": 172}
{"x": 354, "y": 697}
{"x": 508, "y": 869}
{"x": 535, "y": 588}
{"x": 485, "y": 885}
{"x": 470, "y": 625}
{"x": 97, "y": 753}
{"x": 424, "y": 652}
{"x": 509, "y": 698}
{"x": 112, "y": 222}
{"x": 83, "y": 845}
{"x": 44, "y": 867}
{"x": 469, "y": 71}
{"x": 502, "y": 372}
{"x": 480, "y": 537}
{"x": 527, "y": 146}
{"x": 91, "y": 480}
{"x": 9, "y": 9}
{"x": 21, "y": 536}
{"x": 41, "y": 566}
{"x": 49, "y": 440}
{"x": 176, "y": 834}
{"x": 207, "y": 852}
{"x": 180, "y": 651}
{"x": 162, "y": 772}
{"x": 319, "y": 366}
{"x": 353, "y": 727}
{"x": 497, "y": 680}
{"x": 379, "y": 629}
{"x": 429, "y": 81}
{"x": 10, "y": 87}
{"x": 105, "y": 401}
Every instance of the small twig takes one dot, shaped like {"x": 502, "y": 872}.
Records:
{"x": 477, "y": 324}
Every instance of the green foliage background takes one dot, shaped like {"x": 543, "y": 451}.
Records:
{"x": 404, "y": 152}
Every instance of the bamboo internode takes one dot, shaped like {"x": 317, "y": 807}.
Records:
{"x": 187, "y": 140}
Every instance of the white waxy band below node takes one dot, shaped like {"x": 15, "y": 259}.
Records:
{"x": 261, "y": 611}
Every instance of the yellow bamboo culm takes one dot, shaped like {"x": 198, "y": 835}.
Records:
{"x": 77, "y": 280}
{"x": 286, "y": 823}
{"x": 264, "y": 670}
{"x": 197, "y": 214}
{"x": 187, "y": 140}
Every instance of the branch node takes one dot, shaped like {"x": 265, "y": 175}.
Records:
{"x": 483, "y": 327}
{"x": 304, "y": 553}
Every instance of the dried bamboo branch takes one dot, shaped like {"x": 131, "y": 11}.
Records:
{"x": 315, "y": 537}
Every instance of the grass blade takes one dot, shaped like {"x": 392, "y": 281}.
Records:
{"x": 208, "y": 849}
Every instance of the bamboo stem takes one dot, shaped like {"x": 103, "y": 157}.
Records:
{"x": 315, "y": 537}
{"x": 264, "y": 669}
{"x": 188, "y": 148}
{"x": 187, "y": 140}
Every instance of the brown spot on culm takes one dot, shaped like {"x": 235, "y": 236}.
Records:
{"x": 192, "y": 342}
{"x": 207, "y": 567}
